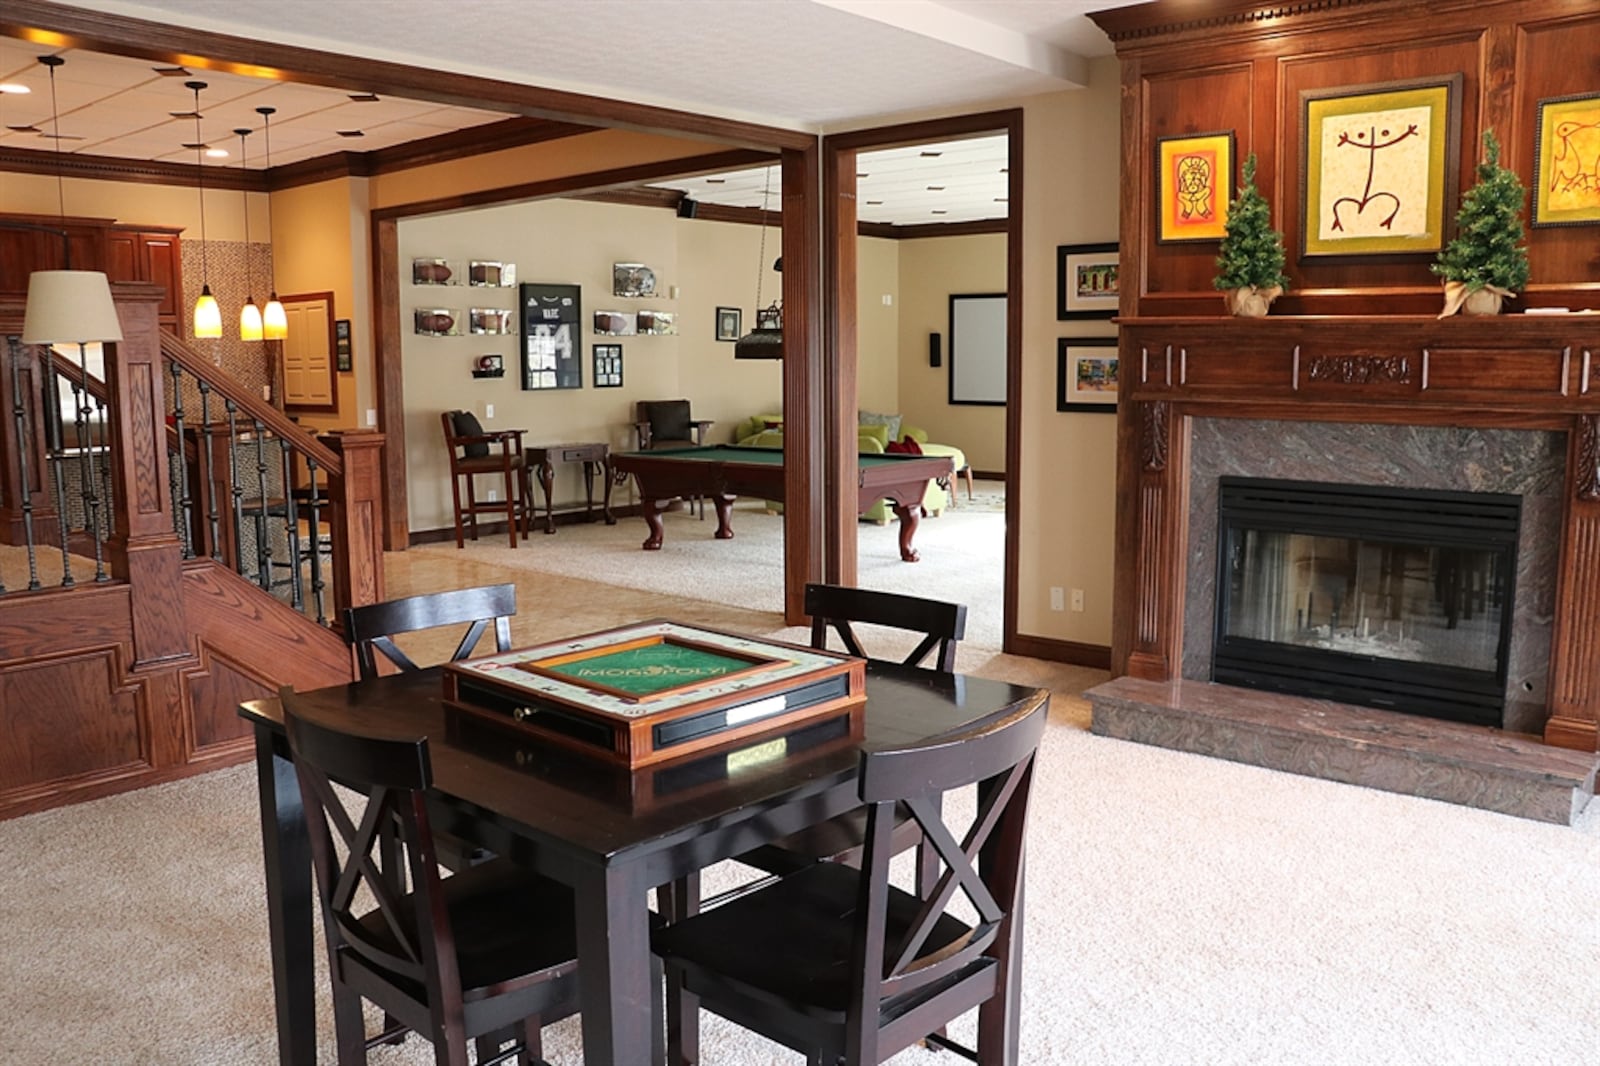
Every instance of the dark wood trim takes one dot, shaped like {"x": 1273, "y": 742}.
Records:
{"x": 805, "y": 381}
{"x": 1168, "y": 21}
{"x": 988, "y": 475}
{"x": 921, "y": 230}
{"x": 120, "y": 35}
{"x": 836, "y": 147}
{"x": 1575, "y": 733}
{"x": 138, "y": 171}
{"x": 840, "y": 553}
{"x": 639, "y": 196}
{"x": 1077, "y": 653}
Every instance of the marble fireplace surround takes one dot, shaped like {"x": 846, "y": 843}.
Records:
{"x": 1526, "y": 462}
{"x": 1510, "y": 404}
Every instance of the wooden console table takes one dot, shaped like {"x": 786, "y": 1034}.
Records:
{"x": 541, "y": 458}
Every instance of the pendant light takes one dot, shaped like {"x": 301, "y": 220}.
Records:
{"x": 274, "y": 322}
{"x": 207, "y": 315}
{"x": 249, "y": 314}
{"x": 765, "y": 341}
{"x": 67, "y": 306}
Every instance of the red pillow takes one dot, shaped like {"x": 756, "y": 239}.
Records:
{"x": 908, "y": 446}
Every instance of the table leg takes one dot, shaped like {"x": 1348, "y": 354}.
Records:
{"x": 588, "y": 490}
{"x": 615, "y": 976}
{"x": 290, "y": 906}
{"x": 547, "y": 478}
{"x": 910, "y": 515}
{"x": 611, "y": 479}
{"x": 652, "y": 516}
{"x": 681, "y": 899}
{"x": 724, "y": 506}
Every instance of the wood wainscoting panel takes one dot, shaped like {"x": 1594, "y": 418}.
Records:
{"x": 213, "y": 694}
{"x": 71, "y": 717}
{"x": 1489, "y": 374}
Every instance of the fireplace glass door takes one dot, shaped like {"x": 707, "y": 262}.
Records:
{"x": 1393, "y": 598}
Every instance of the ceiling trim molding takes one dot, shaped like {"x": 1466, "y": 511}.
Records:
{"x": 1141, "y": 24}
{"x": 920, "y": 230}
{"x": 950, "y": 128}
{"x": 668, "y": 200}
{"x": 50, "y": 23}
{"x": 590, "y": 183}
{"x": 139, "y": 171}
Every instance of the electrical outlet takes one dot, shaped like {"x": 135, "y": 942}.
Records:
{"x": 1077, "y": 599}
{"x": 888, "y": 299}
{"x": 372, "y": 417}
{"x": 494, "y": 494}
{"x": 1056, "y": 602}
{"x": 488, "y": 410}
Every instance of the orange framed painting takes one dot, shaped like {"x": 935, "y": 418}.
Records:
{"x": 1194, "y": 182}
{"x": 1566, "y": 161}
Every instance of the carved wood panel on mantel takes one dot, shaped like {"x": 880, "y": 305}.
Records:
{"x": 1533, "y": 373}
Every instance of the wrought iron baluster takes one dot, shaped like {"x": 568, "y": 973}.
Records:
{"x": 185, "y": 502}
{"x": 316, "y": 539}
{"x": 292, "y": 526}
{"x": 236, "y": 490}
{"x": 263, "y": 511}
{"x": 56, "y": 456}
{"x": 91, "y": 477}
{"x": 19, "y": 414}
{"x": 207, "y": 471}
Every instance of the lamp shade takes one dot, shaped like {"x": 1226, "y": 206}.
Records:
{"x": 274, "y": 321}
{"x": 69, "y": 307}
{"x": 207, "y": 315}
{"x": 249, "y": 321}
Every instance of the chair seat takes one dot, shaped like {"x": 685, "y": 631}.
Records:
{"x": 839, "y": 839}
{"x": 792, "y": 939}
{"x": 487, "y": 464}
{"x": 508, "y": 924}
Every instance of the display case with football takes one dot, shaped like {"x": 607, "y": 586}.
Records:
{"x": 491, "y": 275}
{"x": 435, "y": 322}
{"x": 614, "y": 323}
{"x": 431, "y": 272}
{"x": 489, "y": 320}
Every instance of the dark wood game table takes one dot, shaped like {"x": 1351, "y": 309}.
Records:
{"x": 727, "y": 471}
{"x": 611, "y": 834}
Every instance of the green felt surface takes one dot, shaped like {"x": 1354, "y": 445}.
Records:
{"x": 653, "y": 668}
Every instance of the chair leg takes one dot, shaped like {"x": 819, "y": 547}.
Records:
{"x": 511, "y": 506}
{"x": 350, "y": 1035}
{"x": 968, "y": 472}
{"x": 455, "y": 493}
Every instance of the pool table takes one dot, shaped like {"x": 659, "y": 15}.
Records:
{"x": 725, "y": 472}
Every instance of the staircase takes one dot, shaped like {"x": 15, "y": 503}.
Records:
{"x": 179, "y": 547}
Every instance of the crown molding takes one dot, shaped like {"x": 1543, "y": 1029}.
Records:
{"x": 140, "y": 171}
{"x": 1141, "y": 25}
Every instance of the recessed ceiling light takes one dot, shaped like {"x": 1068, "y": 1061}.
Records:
{"x": 1005, "y": 170}
{"x": 11, "y": 88}
{"x": 939, "y": 212}
{"x": 862, "y": 174}
{"x": 193, "y": 147}
{"x": 936, "y": 188}
{"x": 1002, "y": 199}
{"x": 185, "y": 114}
{"x": 931, "y": 155}
{"x": 364, "y": 98}
{"x": 351, "y": 133}
{"x": 716, "y": 181}
{"x": 60, "y": 136}
{"x": 216, "y": 153}
{"x": 874, "y": 203}
{"x": 24, "y": 129}
{"x": 171, "y": 72}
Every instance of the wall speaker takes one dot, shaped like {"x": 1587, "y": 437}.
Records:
{"x": 687, "y": 208}
{"x": 933, "y": 349}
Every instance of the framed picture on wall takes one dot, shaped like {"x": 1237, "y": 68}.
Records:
{"x": 728, "y": 322}
{"x": 1086, "y": 375}
{"x": 1566, "y": 161}
{"x": 607, "y": 365}
{"x": 1378, "y": 165}
{"x": 1194, "y": 183}
{"x": 1086, "y": 281}
{"x": 552, "y": 346}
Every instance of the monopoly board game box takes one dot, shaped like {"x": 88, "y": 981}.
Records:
{"x": 655, "y": 690}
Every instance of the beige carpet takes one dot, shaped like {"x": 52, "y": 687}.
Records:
{"x": 1181, "y": 910}
{"x": 963, "y": 559}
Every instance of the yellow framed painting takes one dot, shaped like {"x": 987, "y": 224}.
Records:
{"x": 1566, "y": 161}
{"x": 1194, "y": 182}
{"x": 1378, "y": 165}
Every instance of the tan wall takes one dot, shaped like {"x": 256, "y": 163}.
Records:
{"x": 878, "y": 325}
{"x": 139, "y": 204}
{"x": 931, "y": 269}
{"x": 574, "y": 242}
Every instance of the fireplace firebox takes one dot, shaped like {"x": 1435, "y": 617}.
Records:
{"x": 1385, "y": 597}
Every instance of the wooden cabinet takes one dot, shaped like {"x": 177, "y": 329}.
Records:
{"x": 152, "y": 254}
{"x": 33, "y": 242}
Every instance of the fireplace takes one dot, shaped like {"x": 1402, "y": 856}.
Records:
{"x": 1387, "y": 597}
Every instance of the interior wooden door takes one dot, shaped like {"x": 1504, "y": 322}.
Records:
{"x": 308, "y": 374}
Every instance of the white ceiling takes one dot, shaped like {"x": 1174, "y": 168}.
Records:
{"x": 947, "y": 181}
{"x": 809, "y": 64}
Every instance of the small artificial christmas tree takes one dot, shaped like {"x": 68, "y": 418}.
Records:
{"x": 1486, "y": 256}
{"x": 1250, "y": 260}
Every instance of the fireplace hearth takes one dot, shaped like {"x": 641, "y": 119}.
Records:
{"x": 1385, "y": 597}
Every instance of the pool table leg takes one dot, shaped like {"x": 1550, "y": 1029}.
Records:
{"x": 910, "y": 515}
{"x": 652, "y": 516}
{"x": 724, "y": 506}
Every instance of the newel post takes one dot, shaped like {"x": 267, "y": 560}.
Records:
{"x": 144, "y": 548}
{"x": 357, "y": 495}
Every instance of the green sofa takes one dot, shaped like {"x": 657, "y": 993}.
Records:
{"x": 767, "y": 431}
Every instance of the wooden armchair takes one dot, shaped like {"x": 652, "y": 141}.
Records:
{"x": 473, "y": 452}
{"x": 668, "y": 424}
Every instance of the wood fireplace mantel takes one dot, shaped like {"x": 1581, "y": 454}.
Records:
{"x": 1510, "y": 371}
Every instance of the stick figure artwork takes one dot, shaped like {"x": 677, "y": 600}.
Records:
{"x": 1196, "y": 188}
{"x": 1378, "y": 166}
{"x": 1566, "y": 186}
{"x": 1372, "y": 140}
{"x": 1195, "y": 181}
